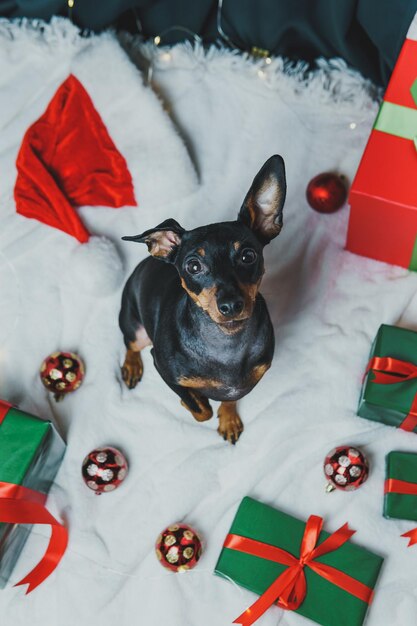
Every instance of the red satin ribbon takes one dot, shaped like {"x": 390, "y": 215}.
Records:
{"x": 388, "y": 371}
{"x": 4, "y": 409}
{"x": 392, "y": 485}
{"x": 290, "y": 587}
{"x": 20, "y": 505}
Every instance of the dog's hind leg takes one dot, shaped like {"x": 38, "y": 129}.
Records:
{"x": 191, "y": 399}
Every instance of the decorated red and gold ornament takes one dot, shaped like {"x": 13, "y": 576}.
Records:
{"x": 346, "y": 468}
{"x": 326, "y": 193}
{"x": 62, "y": 373}
{"x": 104, "y": 469}
{"x": 178, "y": 548}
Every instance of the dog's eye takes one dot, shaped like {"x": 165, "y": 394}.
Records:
{"x": 248, "y": 256}
{"x": 193, "y": 266}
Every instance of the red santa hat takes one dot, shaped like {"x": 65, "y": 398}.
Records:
{"x": 67, "y": 159}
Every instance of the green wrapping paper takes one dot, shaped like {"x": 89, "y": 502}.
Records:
{"x": 401, "y": 466}
{"x": 31, "y": 452}
{"x": 390, "y": 403}
{"x": 325, "y": 603}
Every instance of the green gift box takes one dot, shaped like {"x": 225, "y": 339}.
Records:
{"x": 400, "y": 500}
{"x": 31, "y": 452}
{"x": 325, "y": 601}
{"x": 389, "y": 390}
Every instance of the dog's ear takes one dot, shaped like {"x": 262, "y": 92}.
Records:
{"x": 163, "y": 240}
{"x": 262, "y": 208}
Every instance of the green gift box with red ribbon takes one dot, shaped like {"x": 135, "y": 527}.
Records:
{"x": 400, "y": 499}
{"x": 389, "y": 391}
{"x": 298, "y": 566}
{"x": 31, "y": 452}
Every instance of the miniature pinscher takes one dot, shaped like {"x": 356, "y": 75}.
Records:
{"x": 196, "y": 300}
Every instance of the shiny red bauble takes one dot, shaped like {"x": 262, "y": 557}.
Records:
{"x": 345, "y": 468}
{"x": 326, "y": 193}
{"x": 104, "y": 469}
{"x": 62, "y": 373}
{"x": 178, "y": 548}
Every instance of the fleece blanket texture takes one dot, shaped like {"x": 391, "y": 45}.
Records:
{"x": 193, "y": 152}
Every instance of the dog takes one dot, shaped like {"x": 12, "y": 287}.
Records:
{"x": 196, "y": 300}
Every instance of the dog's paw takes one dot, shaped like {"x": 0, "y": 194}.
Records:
{"x": 230, "y": 424}
{"x": 132, "y": 369}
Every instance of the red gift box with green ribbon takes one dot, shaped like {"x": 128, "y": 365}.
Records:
{"x": 389, "y": 391}
{"x": 298, "y": 566}
{"x": 31, "y": 452}
{"x": 383, "y": 196}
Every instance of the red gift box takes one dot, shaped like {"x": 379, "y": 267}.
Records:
{"x": 383, "y": 197}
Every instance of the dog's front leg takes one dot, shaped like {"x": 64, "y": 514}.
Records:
{"x": 132, "y": 368}
{"x": 230, "y": 424}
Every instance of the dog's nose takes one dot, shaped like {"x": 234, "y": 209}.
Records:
{"x": 228, "y": 308}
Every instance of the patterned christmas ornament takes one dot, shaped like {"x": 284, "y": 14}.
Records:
{"x": 326, "y": 193}
{"x": 178, "y": 548}
{"x": 104, "y": 469}
{"x": 62, "y": 373}
{"x": 345, "y": 468}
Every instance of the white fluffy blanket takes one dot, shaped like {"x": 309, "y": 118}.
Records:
{"x": 326, "y": 305}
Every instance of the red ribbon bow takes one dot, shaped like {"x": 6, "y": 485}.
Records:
{"x": 20, "y": 505}
{"x": 392, "y": 485}
{"x": 289, "y": 589}
{"x": 388, "y": 371}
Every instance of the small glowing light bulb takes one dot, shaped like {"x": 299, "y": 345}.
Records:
{"x": 268, "y": 60}
{"x": 157, "y": 40}
{"x": 352, "y": 125}
{"x": 70, "y": 3}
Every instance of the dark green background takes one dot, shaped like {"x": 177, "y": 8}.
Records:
{"x": 368, "y": 34}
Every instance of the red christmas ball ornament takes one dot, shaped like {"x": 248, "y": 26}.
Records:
{"x": 326, "y": 193}
{"x": 62, "y": 373}
{"x": 104, "y": 469}
{"x": 178, "y": 548}
{"x": 346, "y": 468}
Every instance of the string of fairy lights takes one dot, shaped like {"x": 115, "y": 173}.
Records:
{"x": 224, "y": 38}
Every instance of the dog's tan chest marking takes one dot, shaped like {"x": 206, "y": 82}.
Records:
{"x": 198, "y": 382}
{"x": 201, "y": 382}
{"x": 258, "y": 371}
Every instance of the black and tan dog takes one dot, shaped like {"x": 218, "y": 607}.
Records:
{"x": 196, "y": 300}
